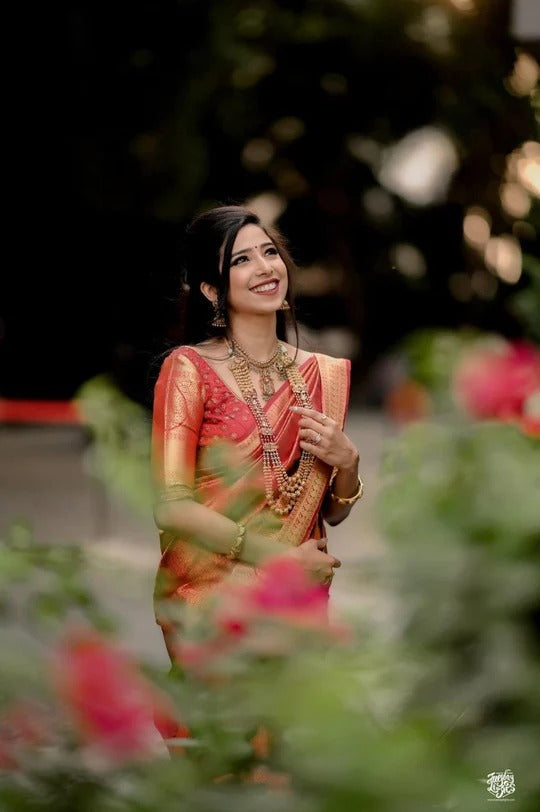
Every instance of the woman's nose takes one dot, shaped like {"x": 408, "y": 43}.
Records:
{"x": 264, "y": 263}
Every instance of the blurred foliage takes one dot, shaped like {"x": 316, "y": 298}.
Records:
{"x": 526, "y": 303}
{"x": 119, "y": 454}
{"x": 57, "y": 580}
{"x": 397, "y": 716}
{"x": 432, "y": 355}
{"x": 42, "y": 586}
{"x": 459, "y": 506}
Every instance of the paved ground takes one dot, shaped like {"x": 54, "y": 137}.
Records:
{"x": 43, "y": 481}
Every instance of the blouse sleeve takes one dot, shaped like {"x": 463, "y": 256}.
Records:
{"x": 177, "y": 418}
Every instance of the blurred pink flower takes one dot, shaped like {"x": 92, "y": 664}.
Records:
{"x": 284, "y": 589}
{"x": 282, "y": 592}
{"x": 495, "y": 382}
{"x": 114, "y": 706}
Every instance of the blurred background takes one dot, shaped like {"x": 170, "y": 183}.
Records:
{"x": 394, "y": 143}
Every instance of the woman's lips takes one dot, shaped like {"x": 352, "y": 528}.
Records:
{"x": 267, "y": 288}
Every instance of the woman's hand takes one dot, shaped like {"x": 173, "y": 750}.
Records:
{"x": 316, "y": 562}
{"x": 322, "y": 436}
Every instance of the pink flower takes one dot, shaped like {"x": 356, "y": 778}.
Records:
{"x": 284, "y": 589}
{"x": 495, "y": 382}
{"x": 112, "y": 704}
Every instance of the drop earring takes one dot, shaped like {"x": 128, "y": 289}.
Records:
{"x": 285, "y": 305}
{"x": 218, "y": 320}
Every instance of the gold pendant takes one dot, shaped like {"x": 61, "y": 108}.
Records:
{"x": 267, "y": 384}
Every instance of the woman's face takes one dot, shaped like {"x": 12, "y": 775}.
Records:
{"x": 258, "y": 275}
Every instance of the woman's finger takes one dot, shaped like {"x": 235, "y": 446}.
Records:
{"x": 312, "y": 448}
{"x": 311, "y": 436}
{"x": 309, "y": 423}
{"x": 320, "y": 417}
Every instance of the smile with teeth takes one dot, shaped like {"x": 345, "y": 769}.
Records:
{"x": 266, "y": 287}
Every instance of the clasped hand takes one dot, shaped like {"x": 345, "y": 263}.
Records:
{"x": 314, "y": 560}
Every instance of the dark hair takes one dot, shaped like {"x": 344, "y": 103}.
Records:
{"x": 204, "y": 238}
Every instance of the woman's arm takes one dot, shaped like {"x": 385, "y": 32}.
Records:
{"x": 345, "y": 484}
{"x": 190, "y": 521}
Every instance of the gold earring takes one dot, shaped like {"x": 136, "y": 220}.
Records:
{"x": 285, "y": 305}
{"x": 219, "y": 319}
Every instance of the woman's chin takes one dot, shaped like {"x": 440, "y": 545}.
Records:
{"x": 264, "y": 309}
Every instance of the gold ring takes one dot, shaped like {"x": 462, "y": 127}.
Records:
{"x": 323, "y": 417}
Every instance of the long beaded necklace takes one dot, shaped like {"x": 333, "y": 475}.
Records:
{"x": 289, "y": 488}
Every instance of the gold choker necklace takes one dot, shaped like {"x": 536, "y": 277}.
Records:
{"x": 289, "y": 488}
{"x": 263, "y": 368}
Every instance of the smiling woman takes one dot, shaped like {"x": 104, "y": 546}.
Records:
{"x": 281, "y": 408}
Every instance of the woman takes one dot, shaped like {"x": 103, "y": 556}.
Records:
{"x": 282, "y": 409}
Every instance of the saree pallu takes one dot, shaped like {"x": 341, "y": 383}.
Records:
{"x": 193, "y": 410}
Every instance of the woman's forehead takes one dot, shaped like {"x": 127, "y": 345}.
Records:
{"x": 249, "y": 236}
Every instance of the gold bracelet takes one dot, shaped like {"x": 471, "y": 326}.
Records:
{"x": 174, "y": 492}
{"x": 345, "y": 500}
{"x": 234, "y": 552}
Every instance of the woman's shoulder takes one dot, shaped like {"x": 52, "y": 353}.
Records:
{"x": 191, "y": 350}
{"x": 334, "y": 369}
{"x": 299, "y": 355}
{"x": 332, "y": 359}
{"x": 182, "y": 357}
{"x": 198, "y": 356}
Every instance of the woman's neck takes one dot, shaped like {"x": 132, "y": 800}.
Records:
{"x": 255, "y": 333}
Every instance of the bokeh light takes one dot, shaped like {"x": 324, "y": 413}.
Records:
{"x": 515, "y": 200}
{"x": 378, "y": 203}
{"x": 408, "y": 259}
{"x": 477, "y": 227}
{"x": 257, "y": 153}
{"x": 524, "y": 76}
{"x": 528, "y": 168}
{"x": 484, "y": 284}
{"x": 365, "y": 149}
{"x": 268, "y": 206}
{"x": 288, "y": 128}
{"x": 503, "y": 257}
{"x": 420, "y": 166}
{"x": 464, "y": 5}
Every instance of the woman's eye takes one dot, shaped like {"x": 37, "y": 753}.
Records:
{"x": 272, "y": 251}
{"x": 238, "y": 260}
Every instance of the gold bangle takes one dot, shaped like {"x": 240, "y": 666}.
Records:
{"x": 174, "y": 492}
{"x": 345, "y": 500}
{"x": 234, "y": 552}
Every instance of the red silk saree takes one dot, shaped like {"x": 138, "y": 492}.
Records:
{"x": 193, "y": 410}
